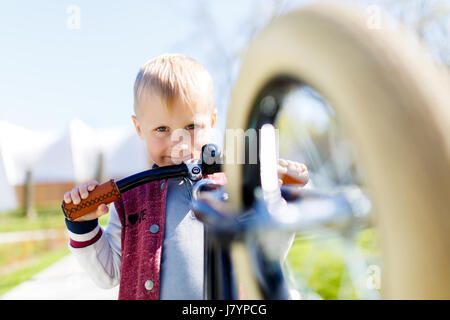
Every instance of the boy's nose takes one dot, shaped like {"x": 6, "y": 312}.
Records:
{"x": 182, "y": 147}
{"x": 179, "y": 149}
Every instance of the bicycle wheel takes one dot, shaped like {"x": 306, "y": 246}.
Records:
{"x": 393, "y": 103}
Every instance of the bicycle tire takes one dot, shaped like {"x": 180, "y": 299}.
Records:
{"x": 393, "y": 102}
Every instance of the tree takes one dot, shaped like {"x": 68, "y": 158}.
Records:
{"x": 30, "y": 212}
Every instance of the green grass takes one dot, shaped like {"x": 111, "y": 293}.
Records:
{"x": 21, "y": 261}
{"x": 47, "y": 218}
{"x": 37, "y": 264}
{"x": 103, "y": 220}
{"x": 50, "y": 217}
{"x": 13, "y": 252}
{"x": 319, "y": 265}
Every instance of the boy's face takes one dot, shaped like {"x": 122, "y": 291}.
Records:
{"x": 172, "y": 138}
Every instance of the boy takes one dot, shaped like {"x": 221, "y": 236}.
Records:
{"x": 153, "y": 244}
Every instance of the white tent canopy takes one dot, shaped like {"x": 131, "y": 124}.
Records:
{"x": 124, "y": 153}
{"x": 21, "y": 149}
{"x": 8, "y": 200}
{"x": 71, "y": 155}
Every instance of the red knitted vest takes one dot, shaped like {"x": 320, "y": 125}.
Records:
{"x": 142, "y": 211}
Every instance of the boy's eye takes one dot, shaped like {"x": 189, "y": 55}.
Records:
{"x": 192, "y": 126}
{"x": 162, "y": 129}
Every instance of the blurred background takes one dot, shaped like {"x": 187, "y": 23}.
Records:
{"x": 66, "y": 88}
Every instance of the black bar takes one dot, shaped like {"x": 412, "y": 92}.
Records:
{"x": 219, "y": 280}
{"x": 161, "y": 173}
{"x": 211, "y": 168}
{"x": 143, "y": 177}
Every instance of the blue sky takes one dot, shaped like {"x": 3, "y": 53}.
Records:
{"x": 51, "y": 74}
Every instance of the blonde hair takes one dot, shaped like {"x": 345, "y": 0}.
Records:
{"x": 172, "y": 77}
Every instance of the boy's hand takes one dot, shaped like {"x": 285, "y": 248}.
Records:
{"x": 82, "y": 192}
{"x": 295, "y": 170}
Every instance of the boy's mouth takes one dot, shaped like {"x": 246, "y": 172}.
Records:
{"x": 176, "y": 160}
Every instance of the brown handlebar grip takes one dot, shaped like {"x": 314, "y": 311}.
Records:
{"x": 287, "y": 179}
{"x": 104, "y": 193}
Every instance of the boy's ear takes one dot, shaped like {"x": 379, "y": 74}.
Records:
{"x": 213, "y": 118}
{"x": 137, "y": 126}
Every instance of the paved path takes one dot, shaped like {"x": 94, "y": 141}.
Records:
{"x": 32, "y": 235}
{"x": 64, "y": 280}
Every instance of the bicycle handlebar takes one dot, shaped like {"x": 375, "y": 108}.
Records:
{"x": 111, "y": 190}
